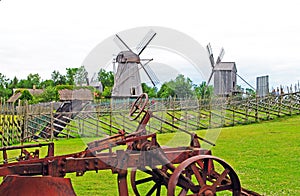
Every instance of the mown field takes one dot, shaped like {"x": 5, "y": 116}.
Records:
{"x": 266, "y": 157}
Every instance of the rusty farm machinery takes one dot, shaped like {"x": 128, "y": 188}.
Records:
{"x": 187, "y": 170}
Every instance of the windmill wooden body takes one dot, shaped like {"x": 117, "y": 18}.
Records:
{"x": 127, "y": 82}
{"x": 225, "y": 75}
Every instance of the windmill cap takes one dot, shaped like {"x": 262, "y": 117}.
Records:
{"x": 127, "y": 56}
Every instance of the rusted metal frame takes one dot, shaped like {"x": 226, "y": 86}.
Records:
{"x": 25, "y": 152}
{"x": 60, "y": 165}
{"x": 24, "y": 146}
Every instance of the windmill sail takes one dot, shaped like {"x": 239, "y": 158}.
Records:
{"x": 121, "y": 44}
{"x": 145, "y": 41}
{"x": 220, "y": 57}
{"x": 149, "y": 72}
{"x": 211, "y": 56}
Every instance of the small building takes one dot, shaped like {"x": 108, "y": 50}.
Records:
{"x": 262, "y": 86}
{"x": 225, "y": 78}
{"x": 17, "y": 93}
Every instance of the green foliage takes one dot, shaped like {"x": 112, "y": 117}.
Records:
{"x": 70, "y": 76}
{"x": 203, "y": 91}
{"x": 32, "y": 80}
{"x": 50, "y": 94}
{"x": 151, "y": 91}
{"x": 46, "y": 83}
{"x": 165, "y": 91}
{"x": 58, "y": 79}
{"x": 107, "y": 91}
{"x": 26, "y": 95}
{"x": 250, "y": 91}
{"x": 5, "y": 92}
{"x": 80, "y": 77}
{"x": 106, "y": 78}
{"x": 72, "y": 87}
{"x": 181, "y": 87}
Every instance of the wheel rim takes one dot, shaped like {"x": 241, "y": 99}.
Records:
{"x": 149, "y": 181}
{"x": 204, "y": 175}
{"x": 138, "y": 105}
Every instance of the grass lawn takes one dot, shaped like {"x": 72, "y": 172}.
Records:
{"x": 266, "y": 157}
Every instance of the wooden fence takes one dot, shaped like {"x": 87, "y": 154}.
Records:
{"x": 22, "y": 122}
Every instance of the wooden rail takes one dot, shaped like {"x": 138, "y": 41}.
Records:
{"x": 23, "y": 122}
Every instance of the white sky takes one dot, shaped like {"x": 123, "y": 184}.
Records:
{"x": 262, "y": 37}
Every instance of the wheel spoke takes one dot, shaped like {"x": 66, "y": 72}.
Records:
{"x": 220, "y": 178}
{"x": 158, "y": 190}
{"x": 183, "y": 192}
{"x": 199, "y": 178}
{"x": 151, "y": 190}
{"x": 141, "y": 181}
{"x": 205, "y": 170}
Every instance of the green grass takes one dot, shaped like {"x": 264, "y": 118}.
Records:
{"x": 266, "y": 157}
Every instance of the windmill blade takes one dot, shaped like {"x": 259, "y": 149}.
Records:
{"x": 220, "y": 57}
{"x": 122, "y": 45}
{"x": 93, "y": 79}
{"x": 211, "y": 56}
{"x": 145, "y": 41}
{"x": 149, "y": 72}
{"x": 210, "y": 77}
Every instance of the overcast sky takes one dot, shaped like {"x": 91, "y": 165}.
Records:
{"x": 262, "y": 37}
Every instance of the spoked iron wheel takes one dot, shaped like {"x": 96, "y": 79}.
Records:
{"x": 204, "y": 175}
{"x": 147, "y": 181}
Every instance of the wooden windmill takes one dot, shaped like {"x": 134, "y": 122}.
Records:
{"x": 225, "y": 75}
{"x": 127, "y": 82}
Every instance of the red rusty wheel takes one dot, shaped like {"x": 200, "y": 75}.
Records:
{"x": 149, "y": 181}
{"x": 138, "y": 105}
{"x": 204, "y": 175}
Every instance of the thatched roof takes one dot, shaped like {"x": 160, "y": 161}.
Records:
{"x": 80, "y": 94}
{"x": 17, "y": 95}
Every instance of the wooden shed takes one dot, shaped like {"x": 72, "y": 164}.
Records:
{"x": 18, "y": 93}
{"x": 225, "y": 78}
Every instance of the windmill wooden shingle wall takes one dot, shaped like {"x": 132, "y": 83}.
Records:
{"x": 225, "y": 78}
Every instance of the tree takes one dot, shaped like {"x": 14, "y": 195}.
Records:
{"x": 183, "y": 87}
{"x": 250, "y": 91}
{"x": 4, "y": 90}
{"x": 80, "y": 77}
{"x": 166, "y": 90}
{"x": 106, "y": 78}
{"x": 107, "y": 91}
{"x": 50, "y": 94}
{"x": 70, "y": 76}
{"x": 26, "y": 96}
{"x": 13, "y": 83}
{"x": 32, "y": 80}
{"x": 47, "y": 83}
{"x": 58, "y": 79}
{"x": 151, "y": 91}
{"x": 203, "y": 91}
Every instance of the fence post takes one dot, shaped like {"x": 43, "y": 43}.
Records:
{"x": 256, "y": 108}
{"x": 51, "y": 120}
{"x": 110, "y": 117}
{"x": 25, "y": 130}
